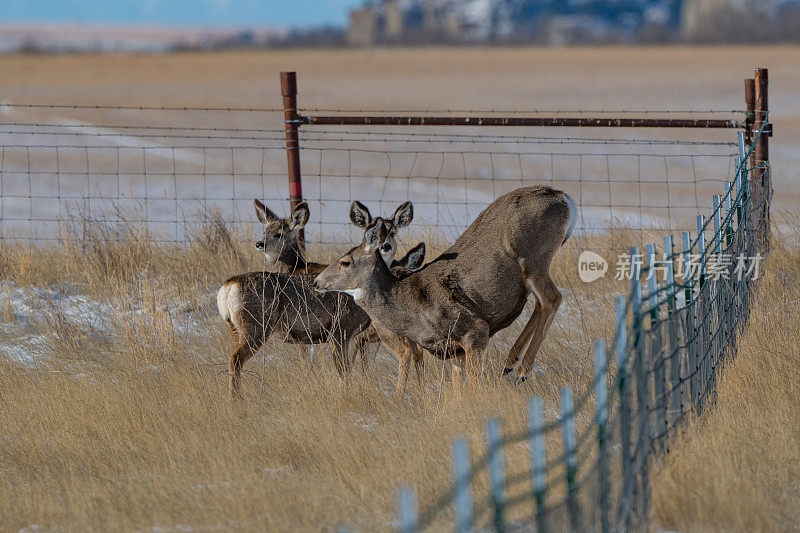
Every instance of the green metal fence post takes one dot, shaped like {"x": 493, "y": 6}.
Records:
{"x": 538, "y": 459}
{"x": 701, "y": 249}
{"x": 674, "y": 402}
{"x": 687, "y": 262}
{"x": 407, "y": 514}
{"x": 728, "y": 203}
{"x": 652, "y": 283}
{"x": 570, "y": 457}
{"x": 462, "y": 497}
{"x": 497, "y": 479}
{"x": 626, "y": 466}
{"x": 601, "y": 417}
{"x": 669, "y": 274}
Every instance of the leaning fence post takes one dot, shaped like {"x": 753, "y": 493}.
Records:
{"x": 743, "y": 163}
{"x": 701, "y": 248}
{"x": 728, "y": 190}
{"x": 718, "y": 244}
{"x": 407, "y": 516}
{"x": 669, "y": 274}
{"x": 497, "y": 480}
{"x": 291, "y": 125}
{"x": 652, "y": 283}
{"x": 538, "y": 458}
{"x": 601, "y": 415}
{"x": 621, "y": 343}
{"x": 717, "y": 224}
{"x": 570, "y": 457}
{"x": 674, "y": 404}
{"x": 462, "y": 498}
{"x": 687, "y": 270}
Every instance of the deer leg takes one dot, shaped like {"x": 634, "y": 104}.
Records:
{"x": 403, "y": 358}
{"x": 524, "y": 338}
{"x": 474, "y": 344}
{"x": 302, "y": 352}
{"x": 549, "y": 300}
{"x": 250, "y": 338}
{"x": 457, "y": 373}
{"x": 419, "y": 363}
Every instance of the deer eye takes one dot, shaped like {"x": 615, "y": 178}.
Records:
{"x": 386, "y": 248}
{"x": 344, "y": 263}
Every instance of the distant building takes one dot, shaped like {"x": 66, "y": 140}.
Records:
{"x": 480, "y": 21}
{"x": 741, "y": 20}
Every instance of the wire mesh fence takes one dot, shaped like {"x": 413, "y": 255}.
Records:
{"x": 165, "y": 174}
{"x": 166, "y": 169}
{"x": 674, "y": 331}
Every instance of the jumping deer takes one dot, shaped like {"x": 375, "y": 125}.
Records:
{"x": 256, "y": 304}
{"x": 454, "y": 304}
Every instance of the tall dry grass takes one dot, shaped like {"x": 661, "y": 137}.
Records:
{"x": 114, "y": 411}
{"x": 738, "y": 467}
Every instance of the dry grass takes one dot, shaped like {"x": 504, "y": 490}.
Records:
{"x": 118, "y": 417}
{"x": 738, "y": 468}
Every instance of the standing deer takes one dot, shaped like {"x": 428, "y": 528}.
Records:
{"x": 258, "y": 303}
{"x": 453, "y": 305}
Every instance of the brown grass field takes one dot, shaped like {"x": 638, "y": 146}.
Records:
{"x": 120, "y": 420}
{"x": 129, "y": 425}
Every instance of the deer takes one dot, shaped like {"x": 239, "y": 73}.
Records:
{"x": 257, "y": 304}
{"x": 477, "y": 287}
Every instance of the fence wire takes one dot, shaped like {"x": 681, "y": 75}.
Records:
{"x": 674, "y": 332}
{"x": 166, "y": 169}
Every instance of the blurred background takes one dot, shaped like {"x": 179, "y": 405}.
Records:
{"x": 47, "y": 26}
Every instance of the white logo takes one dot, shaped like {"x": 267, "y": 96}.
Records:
{"x": 591, "y": 266}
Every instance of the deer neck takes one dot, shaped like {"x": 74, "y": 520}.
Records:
{"x": 383, "y": 296}
{"x": 291, "y": 258}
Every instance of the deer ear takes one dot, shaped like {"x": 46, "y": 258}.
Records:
{"x": 414, "y": 258}
{"x": 299, "y": 216}
{"x": 359, "y": 215}
{"x": 265, "y": 216}
{"x": 404, "y": 215}
{"x": 374, "y": 236}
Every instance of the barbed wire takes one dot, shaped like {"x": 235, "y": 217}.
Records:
{"x": 141, "y": 107}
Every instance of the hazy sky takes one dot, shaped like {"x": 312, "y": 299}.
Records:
{"x": 186, "y": 12}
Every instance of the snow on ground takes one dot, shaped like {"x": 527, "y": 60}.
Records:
{"x": 33, "y": 319}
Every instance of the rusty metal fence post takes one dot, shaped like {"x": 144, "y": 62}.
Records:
{"x": 291, "y": 126}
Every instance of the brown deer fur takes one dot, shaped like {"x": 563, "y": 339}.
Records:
{"x": 257, "y": 304}
{"x": 453, "y": 305}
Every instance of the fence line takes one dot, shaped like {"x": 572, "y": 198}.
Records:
{"x": 672, "y": 334}
{"x": 671, "y": 340}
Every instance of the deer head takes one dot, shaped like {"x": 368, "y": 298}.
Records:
{"x": 280, "y": 234}
{"x": 362, "y": 268}
{"x": 361, "y": 218}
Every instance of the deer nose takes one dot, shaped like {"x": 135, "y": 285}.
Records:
{"x": 260, "y": 245}
{"x": 386, "y": 248}
{"x": 318, "y": 287}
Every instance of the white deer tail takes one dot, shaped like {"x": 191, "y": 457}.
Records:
{"x": 228, "y": 300}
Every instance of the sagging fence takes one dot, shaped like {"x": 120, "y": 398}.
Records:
{"x": 674, "y": 331}
{"x": 166, "y": 169}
